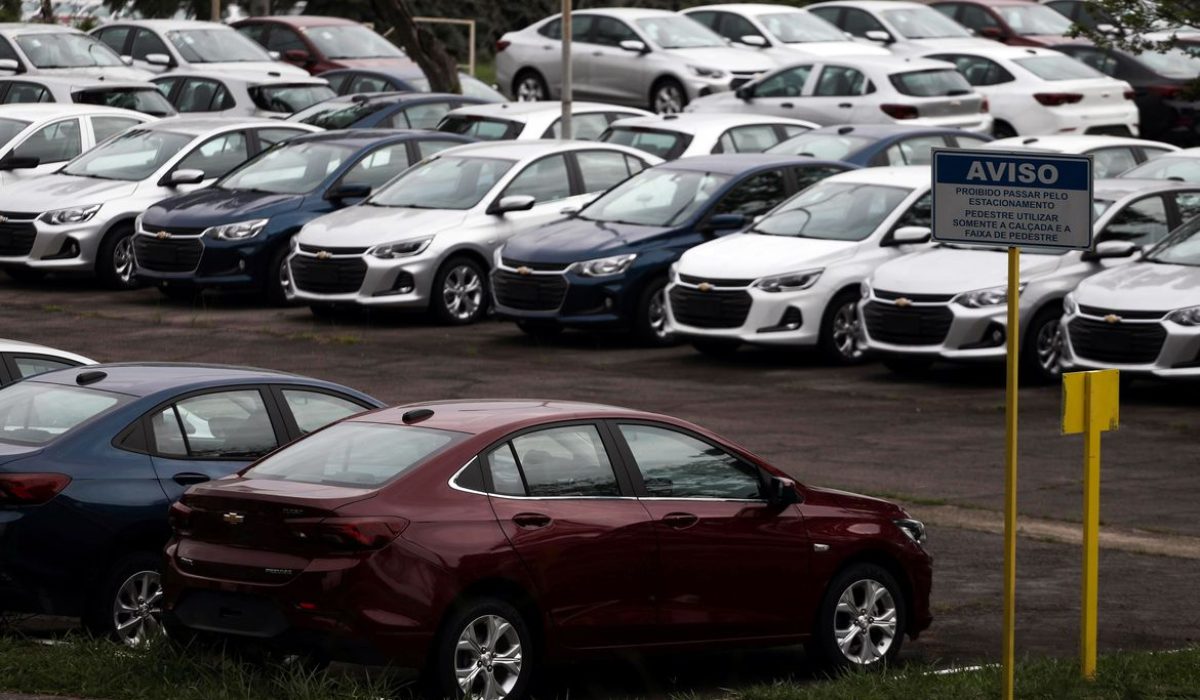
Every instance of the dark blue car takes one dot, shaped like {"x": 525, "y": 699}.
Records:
{"x": 606, "y": 266}
{"x": 385, "y": 110}
{"x": 871, "y": 145}
{"x": 237, "y": 233}
{"x": 347, "y": 81}
{"x": 92, "y": 457}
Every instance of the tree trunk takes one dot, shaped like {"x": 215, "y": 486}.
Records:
{"x": 47, "y": 12}
{"x": 420, "y": 44}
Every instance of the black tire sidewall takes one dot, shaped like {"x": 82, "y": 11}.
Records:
{"x": 98, "y": 614}
{"x": 440, "y": 676}
{"x": 1031, "y": 364}
{"x": 530, "y": 73}
{"x": 437, "y": 303}
{"x": 659, "y": 85}
{"x": 828, "y": 655}
{"x": 104, "y": 258}
{"x": 272, "y": 289}
{"x": 825, "y": 341}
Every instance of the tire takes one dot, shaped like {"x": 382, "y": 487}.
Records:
{"x": 839, "y": 341}
{"x": 121, "y": 598}
{"x": 460, "y": 293}
{"x": 114, "y": 260}
{"x": 718, "y": 348}
{"x": 179, "y": 292}
{"x": 650, "y": 324}
{"x": 843, "y": 609}
{"x": 530, "y": 86}
{"x": 1002, "y": 130}
{"x": 907, "y": 365}
{"x": 668, "y": 96}
{"x": 277, "y": 275}
{"x": 1041, "y": 349}
{"x": 471, "y": 626}
{"x": 540, "y": 329}
{"x": 25, "y": 275}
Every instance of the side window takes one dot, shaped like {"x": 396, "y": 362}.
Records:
{"x": 787, "y": 83}
{"x": 915, "y": 151}
{"x": 282, "y": 39}
{"x": 545, "y": 179}
{"x": 165, "y": 86}
{"x": 1101, "y": 61}
{"x": 551, "y": 30}
{"x": 146, "y": 42}
{"x": 674, "y": 465}
{"x": 833, "y": 15}
{"x": 369, "y": 83}
{"x": 270, "y": 137}
{"x": 567, "y": 461}
{"x": 840, "y": 81}
{"x": 52, "y": 143}
{"x": 755, "y": 195}
{"x": 581, "y": 27}
{"x": 919, "y": 214}
{"x": 584, "y": 127}
{"x": 807, "y": 176}
{"x": 948, "y": 9}
{"x": 977, "y": 18}
{"x": 26, "y": 93}
{"x": 707, "y": 18}
{"x": 200, "y": 95}
{"x": 1111, "y": 162}
{"x": 747, "y": 139}
{"x": 635, "y": 165}
{"x": 255, "y": 32}
{"x": 6, "y": 50}
{"x": 226, "y": 424}
{"x": 1153, "y": 152}
{"x": 168, "y": 436}
{"x": 1144, "y": 221}
{"x": 506, "y": 477}
{"x": 859, "y": 22}
{"x": 425, "y": 116}
{"x": 340, "y": 81}
{"x": 601, "y": 169}
{"x": 29, "y": 365}
{"x": 1188, "y": 204}
{"x": 103, "y": 127}
{"x": 428, "y": 148}
{"x": 734, "y": 27}
{"x": 611, "y": 32}
{"x": 217, "y": 155}
{"x": 378, "y": 167}
{"x": 978, "y": 70}
{"x": 313, "y": 409}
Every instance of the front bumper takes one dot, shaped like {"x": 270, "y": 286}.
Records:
{"x": 1111, "y": 339}
{"x": 186, "y": 257}
{"x": 27, "y": 242}
{"x": 350, "y": 276}
{"x": 932, "y": 326}
{"x": 552, "y": 293}
{"x": 734, "y": 310}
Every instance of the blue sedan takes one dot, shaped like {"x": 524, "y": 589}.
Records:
{"x": 92, "y": 457}
{"x": 347, "y": 81}
{"x": 385, "y": 110}
{"x": 871, "y": 145}
{"x": 606, "y": 266}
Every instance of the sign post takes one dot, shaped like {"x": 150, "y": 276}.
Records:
{"x": 568, "y": 75}
{"x": 1011, "y": 200}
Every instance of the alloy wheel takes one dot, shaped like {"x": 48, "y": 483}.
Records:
{"x": 487, "y": 659}
{"x": 462, "y": 292}
{"x": 846, "y": 331}
{"x": 529, "y": 89}
{"x": 1049, "y": 346}
{"x": 137, "y": 609}
{"x": 668, "y": 99}
{"x": 864, "y": 623}
{"x": 122, "y": 260}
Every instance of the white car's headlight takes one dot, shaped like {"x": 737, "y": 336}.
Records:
{"x": 992, "y": 296}
{"x": 1069, "y": 305}
{"x": 605, "y": 267}
{"x": 1189, "y": 316}
{"x": 791, "y": 282}
{"x": 401, "y": 249}
{"x": 237, "y": 232}
{"x": 73, "y": 215}
{"x": 705, "y": 72}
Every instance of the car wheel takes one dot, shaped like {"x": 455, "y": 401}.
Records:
{"x": 483, "y": 651}
{"x": 529, "y": 86}
{"x": 650, "y": 326}
{"x": 460, "y": 294}
{"x": 668, "y": 97}
{"x": 908, "y": 365}
{"x": 128, "y": 606}
{"x": 25, "y": 274}
{"x": 862, "y": 619}
{"x": 540, "y": 329}
{"x": 1043, "y": 347}
{"x": 114, "y": 261}
{"x": 1002, "y": 130}
{"x": 278, "y": 277}
{"x": 840, "y": 340}
{"x": 719, "y": 348}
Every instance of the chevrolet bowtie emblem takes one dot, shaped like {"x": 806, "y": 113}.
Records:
{"x": 1112, "y": 318}
{"x": 324, "y": 255}
{"x": 522, "y": 270}
{"x": 234, "y": 518}
{"x": 704, "y": 287}
{"x": 904, "y": 302}
{"x": 162, "y": 235}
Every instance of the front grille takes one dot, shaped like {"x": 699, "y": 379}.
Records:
{"x": 715, "y": 281}
{"x": 528, "y": 292}
{"x": 18, "y": 215}
{"x": 922, "y": 298}
{"x": 173, "y": 230}
{"x": 1126, "y": 315}
{"x": 712, "y": 309}
{"x": 542, "y": 266}
{"x": 333, "y": 276}
{"x": 332, "y": 250}
{"x": 907, "y": 325}
{"x": 16, "y": 239}
{"x": 1120, "y": 343}
{"x": 167, "y": 254}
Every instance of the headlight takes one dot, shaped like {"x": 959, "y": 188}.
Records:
{"x": 915, "y": 529}
{"x": 1069, "y": 305}
{"x": 401, "y": 249}
{"x": 865, "y": 289}
{"x": 993, "y": 296}
{"x": 237, "y": 232}
{"x": 707, "y": 72}
{"x": 74, "y": 215}
{"x": 1185, "y": 317}
{"x": 790, "y": 282}
{"x": 605, "y": 267}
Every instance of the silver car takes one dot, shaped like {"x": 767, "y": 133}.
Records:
{"x": 19, "y": 360}
{"x": 139, "y": 96}
{"x": 784, "y": 33}
{"x": 426, "y": 240}
{"x": 671, "y": 136}
{"x": 903, "y": 27}
{"x": 861, "y": 90}
{"x": 83, "y": 217}
{"x": 948, "y": 303}
{"x": 645, "y": 58}
{"x": 161, "y": 45}
{"x": 229, "y": 94}
{"x": 55, "y": 49}
{"x": 519, "y": 121}
{"x": 36, "y": 139}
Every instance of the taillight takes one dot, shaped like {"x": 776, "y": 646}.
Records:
{"x": 1130, "y": 94}
{"x": 30, "y": 489}
{"x": 180, "y": 517}
{"x": 983, "y": 106}
{"x": 501, "y": 44}
{"x": 347, "y": 534}
{"x": 900, "y": 111}
{"x": 1056, "y": 99}
{"x": 1167, "y": 92}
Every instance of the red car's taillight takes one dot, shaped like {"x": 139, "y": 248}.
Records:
{"x": 347, "y": 534}
{"x": 900, "y": 111}
{"x": 1057, "y": 99}
{"x": 1167, "y": 92}
{"x": 502, "y": 44}
{"x": 30, "y": 489}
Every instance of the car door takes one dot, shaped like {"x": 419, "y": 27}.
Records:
{"x": 146, "y": 43}
{"x": 729, "y": 563}
{"x": 567, "y": 507}
{"x": 839, "y": 96}
{"x": 612, "y": 71}
{"x": 584, "y": 53}
{"x": 548, "y": 181}
{"x": 52, "y": 144}
{"x": 117, "y": 38}
{"x": 781, "y": 94}
{"x": 215, "y": 157}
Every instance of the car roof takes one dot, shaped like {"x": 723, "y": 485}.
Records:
{"x": 737, "y": 163}
{"x": 145, "y": 378}
{"x": 1071, "y": 143}
{"x": 198, "y": 126}
{"x": 998, "y": 50}
{"x": 691, "y": 122}
{"x": 10, "y": 28}
{"x": 401, "y": 72}
{"x": 81, "y": 81}
{"x": 911, "y": 176}
{"x": 889, "y": 63}
{"x": 360, "y": 138}
{"x": 20, "y": 346}
{"x": 986, "y": 3}
{"x": 254, "y": 78}
{"x": 882, "y": 131}
{"x": 626, "y": 12}
{"x": 521, "y": 150}
{"x": 395, "y": 97}
{"x": 1116, "y": 187}
{"x": 544, "y": 108}
{"x": 745, "y": 8}
{"x": 166, "y": 25}
{"x": 299, "y": 20}
{"x": 1181, "y": 153}
{"x": 52, "y": 110}
{"x": 485, "y": 415}
{"x": 874, "y": 5}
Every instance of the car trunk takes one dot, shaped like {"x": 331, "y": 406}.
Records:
{"x": 949, "y": 105}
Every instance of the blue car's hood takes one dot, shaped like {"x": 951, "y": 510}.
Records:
{"x": 211, "y": 206}
{"x": 576, "y": 239}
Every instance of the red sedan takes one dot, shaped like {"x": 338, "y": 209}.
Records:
{"x": 479, "y": 539}
{"x": 318, "y": 44}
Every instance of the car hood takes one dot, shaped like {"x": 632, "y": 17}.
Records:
{"x": 726, "y": 58}
{"x": 397, "y": 62}
{"x": 1142, "y": 286}
{"x": 365, "y": 226}
{"x": 257, "y": 69}
{"x": 211, "y": 207}
{"x": 955, "y": 270}
{"x": 832, "y": 498}
{"x": 58, "y": 191}
{"x": 106, "y": 72}
{"x": 576, "y": 239}
{"x": 751, "y": 255}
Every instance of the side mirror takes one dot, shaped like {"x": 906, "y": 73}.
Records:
{"x": 297, "y": 56}
{"x": 12, "y": 162}
{"x": 343, "y": 192}
{"x": 879, "y": 35}
{"x": 635, "y": 46}
{"x": 781, "y": 491}
{"x": 9, "y": 64}
{"x": 275, "y": 55}
{"x": 911, "y": 234}
{"x": 725, "y": 222}
{"x": 569, "y": 211}
{"x": 745, "y": 93}
{"x": 158, "y": 59}
{"x": 516, "y": 202}
{"x": 754, "y": 40}
{"x": 127, "y": 60}
{"x": 1105, "y": 250}
{"x": 992, "y": 33}
{"x": 187, "y": 176}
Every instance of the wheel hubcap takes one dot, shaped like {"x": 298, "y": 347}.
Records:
{"x": 487, "y": 660}
{"x": 656, "y": 314}
{"x": 137, "y": 609}
{"x": 864, "y": 623}
{"x": 668, "y": 100}
{"x": 463, "y": 293}
{"x": 530, "y": 90}
{"x": 846, "y": 331}
{"x": 123, "y": 259}
{"x": 1049, "y": 346}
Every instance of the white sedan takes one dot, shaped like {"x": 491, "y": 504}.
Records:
{"x": 672, "y": 136}
{"x": 520, "y": 121}
{"x": 784, "y": 33}
{"x": 19, "y": 360}
{"x": 1112, "y": 155}
{"x": 36, "y": 139}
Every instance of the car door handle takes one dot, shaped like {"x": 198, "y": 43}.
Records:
{"x": 845, "y": 105}
{"x": 547, "y": 47}
{"x": 679, "y": 521}
{"x": 531, "y": 521}
{"x": 189, "y": 478}
{"x": 786, "y": 105}
{"x": 597, "y": 53}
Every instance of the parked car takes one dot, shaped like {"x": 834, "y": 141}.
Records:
{"x": 671, "y": 136}
{"x": 1040, "y": 91}
{"x": 1086, "y": 14}
{"x": 137, "y": 96}
{"x": 53, "y": 49}
{"x": 318, "y": 44}
{"x": 36, "y": 139}
{"x": 237, "y": 233}
{"x": 655, "y": 59}
{"x": 1111, "y": 155}
{"x": 19, "y": 360}
{"x": 949, "y": 303}
{"x": 161, "y": 45}
{"x": 1012, "y": 22}
{"x": 82, "y": 218}
{"x": 515, "y": 121}
{"x": 877, "y": 144}
{"x": 590, "y": 516}
{"x": 792, "y": 279}
{"x": 903, "y": 27}
{"x": 347, "y": 81}
{"x": 229, "y": 94}
{"x": 426, "y": 240}
{"x": 1141, "y": 318}
{"x": 784, "y": 33}
{"x": 861, "y": 90}
{"x": 1182, "y": 166}
{"x": 91, "y": 458}
{"x": 383, "y": 110}
{"x": 606, "y": 267}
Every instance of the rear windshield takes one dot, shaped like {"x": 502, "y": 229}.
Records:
{"x": 1058, "y": 68}
{"x": 931, "y": 83}
{"x": 342, "y": 115}
{"x": 145, "y": 100}
{"x": 35, "y": 413}
{"x": 664, "y": 144}
{"x": 290, "y": 98}
{"x": 829, "y": 146}
{"x": 354, "y": 454}
{"x": 482, "y": 128}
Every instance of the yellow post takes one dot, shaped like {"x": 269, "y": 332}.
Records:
{"x": 1008, "y": 652}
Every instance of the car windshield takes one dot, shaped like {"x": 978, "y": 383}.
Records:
{"x": 10, "y": 128}
{"x": 67, "y": 50}
{"x": 133, "y": 155}
{"x": 1182, "y": 247}
{"x": 800, "y": 28}
{"x": 667, "y": 145}
{"x": 924, "y": 23}
{"x": 1058, "y": 68}
{"x": 354, "y": 454}
{"x": 351, "y": 41}
{"x": 1167, "y": 168}
{"x": 449, "y": 182}
{"x": 1030, "y": 19}
{"x": 1171, "y": 63}
{"x": 145, "y": 100}
{"x": 35, "y": 413}
{"x": 655, "y": 197}
{"x": 678, "y": 32}
{"x": 216, "y": 46}
{"x": 339, "y": 115}
{"x": 482, "y": 128}
{"x": 289, "y": 98}
{"x": 829, "y": 146}
{"x": 291, "y": 168}
{"x": 931, "y": 83}
{"x": 836, "y": 211}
